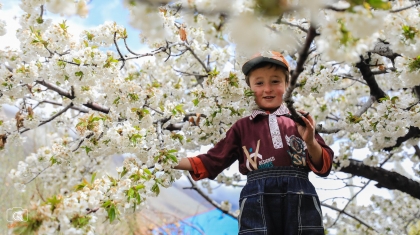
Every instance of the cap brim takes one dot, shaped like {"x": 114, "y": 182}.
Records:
{"x": 254, "y": 62}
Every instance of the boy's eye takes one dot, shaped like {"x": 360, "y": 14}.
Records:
{"x": 259, "y": 83}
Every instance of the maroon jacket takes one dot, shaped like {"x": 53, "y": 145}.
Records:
{"x": 254, "y": 133}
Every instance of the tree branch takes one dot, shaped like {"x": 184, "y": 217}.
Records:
{"x": 382, "y": 48}
{"x": 386, "y": 179}
{"x": 207, "y": 198}
{"x": 51, "y": 118}
{"x": 303, "y": 55}
{"x": 369, "y": 77}
{"x": 405, "y": 8}
{"x": 349, "y": 215}
{"x": 413, "y": 132}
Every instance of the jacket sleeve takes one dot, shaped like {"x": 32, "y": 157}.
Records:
{"x": 199, "y": 171}
{"x": 223, "y": 154}
{"x": 327, "y": 158}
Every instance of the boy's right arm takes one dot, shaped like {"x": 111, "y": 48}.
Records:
{"x": 195, "y": 166}
{"x": 184, "y": 164}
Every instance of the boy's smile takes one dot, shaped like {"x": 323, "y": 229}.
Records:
{"x": 268, "y": 85}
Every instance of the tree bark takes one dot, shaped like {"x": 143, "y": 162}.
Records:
{"x": 386, "y": 179}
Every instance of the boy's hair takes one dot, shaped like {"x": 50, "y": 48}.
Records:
{"x": 268, "y": 65}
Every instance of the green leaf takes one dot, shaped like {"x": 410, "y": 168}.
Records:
{"x": 63, "y": 25}
{"x": 116, "y": 101}
{"x": 394, "y": 99}
{"x": 106, "y": 204}
{"x": 179, "y": 109}
{"x": 112, "y": 213}
{"x": 89, "y": 36}
{"x": 156, "y": 189}
{"x": 172, "y": 157}
{"x": 414, "y": 65}
{"x": 124, "y": 172}
{"x": 114, "y": 181}
{"x": 39, "y": 20}
{"x": 53, "y": 160}
{"x": 133, "y": 97}
{"x": 87, "y": 149}
{"x": 147, "y": 171}
{"x": 140, "y": 186}
{"x": 53, "y": 201}
{"x": 77, "y": 61}
{"x": 195, "y": 102}
{"x": 409, "y": 32}
{"x": 79, "y": 74}
{"x": 379, "y": 4}
{"x": 80, "y": 221}
{"x": 93, "y": 177}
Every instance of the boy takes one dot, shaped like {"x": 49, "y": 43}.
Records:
{"x": 275, "y": 153}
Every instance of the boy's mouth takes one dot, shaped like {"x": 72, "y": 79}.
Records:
{"x": 269, "y": 97}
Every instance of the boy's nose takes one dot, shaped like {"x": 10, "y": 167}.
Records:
{"x": 268, "y": 88}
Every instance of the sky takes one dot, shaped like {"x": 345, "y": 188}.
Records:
{"x": 100, "y": 11}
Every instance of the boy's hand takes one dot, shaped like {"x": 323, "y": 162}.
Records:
{"x": 307, "y": 132}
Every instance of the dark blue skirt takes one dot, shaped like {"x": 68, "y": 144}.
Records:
{"x": 279, "y": 200}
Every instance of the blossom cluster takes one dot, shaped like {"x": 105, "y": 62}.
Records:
{"x": 188, "y": 90}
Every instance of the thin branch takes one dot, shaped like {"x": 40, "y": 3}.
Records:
{"x": 55, "y": 88}
{"x": 59, "y": 104}
{"x": 119, "y": 52}
{"x": 365, "y": 106}
{"x": 207, "y": 198}
{"x": 159, "y": 50}
{"x": 334, "y": 198}
{"x": 405, "y": 8}
{"x": 320, "y": 129}
{"x": 349, "y": 215}
{"x": 294, "y": 25}
{"x": 83, "y": 139}
{"x": 38, "y": 174}
{"x": 128, "y": 49}
{"x": 354, "y": 79}
{"x": 369, "y": 77}
{"x": 417, "y": 149}
{"x": 51, "y": 118}
{"x": 198, "y": 59}
{"x": 303, "y": 55}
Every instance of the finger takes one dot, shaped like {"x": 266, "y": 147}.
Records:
{"x": 307, "y": 122}
{"x": 311, "y": 120}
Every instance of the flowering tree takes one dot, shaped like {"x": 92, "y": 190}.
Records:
{"x": 356, "y": 70}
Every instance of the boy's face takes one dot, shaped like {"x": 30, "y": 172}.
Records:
{"x": 268, "y": 85}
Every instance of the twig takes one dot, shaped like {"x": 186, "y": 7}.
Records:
{"x": 365, "y": 106}
{"x": 51, "y": 118}
{"x": 405, "y": 8}
{"x": 59, "y": 104}
{"x": 349, "y": 215}
{"x": 38, "y": 174}
{"x": 416, "y": 147}
{"x": 354, "y": 79}
{"x": 161, "y": 49}
{"x": 207, "y": 198}
{"x": 80, "y": 143}
{"x": 294, "y": 25}
{"x": 303, "y": 55}
{"x": 119, "y": 52}
{"x": 198, "y": 59}
{"x": 128, "y": 49}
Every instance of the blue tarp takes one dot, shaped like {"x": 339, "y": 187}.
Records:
{"x": 213, "y": 222}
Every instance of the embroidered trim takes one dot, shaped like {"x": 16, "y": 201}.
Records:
{"x": 282, "y": 110}
{"x": 275, "y": 131}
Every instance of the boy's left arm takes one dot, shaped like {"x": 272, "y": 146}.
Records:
{"x": 320, "y": 155}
